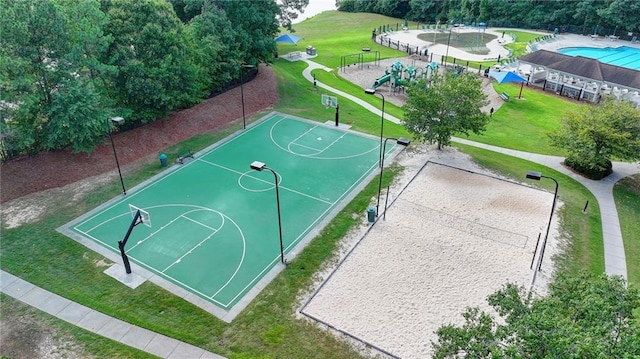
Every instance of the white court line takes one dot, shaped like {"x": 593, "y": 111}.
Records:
{"x": 306, "y": 230}
{"x": 271, "y": 183}
{"x": 238, "y": 266}
{"x": 318, "y": 150}
{"x": 273, "y": 140}
{"x": 177, "y": 170}
{"x": 204, "y": 225}
{"x": 213, "y": 233}
{"x": 189, "y": 252}
{"x": 346, "y": 192}
{"x": 154, "y": 233}
{"x": 280, "y": 118}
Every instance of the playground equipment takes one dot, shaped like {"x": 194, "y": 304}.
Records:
{"x": 399, "y": 75}
{"x": 359, "y": 59}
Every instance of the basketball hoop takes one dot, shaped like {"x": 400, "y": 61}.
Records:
{"x": 327, "y": 104}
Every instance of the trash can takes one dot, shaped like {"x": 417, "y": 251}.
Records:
{"x": 371, "y": 214}
{"x": 312, "y": 52}
{"x": 163, "y": 160}
{"x": 309, "y": 50}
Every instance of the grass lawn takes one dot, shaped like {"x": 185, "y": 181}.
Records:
{"x": 335, "y": 34}
{"x": 627, "y": 196}
{"x": 525, "y": 124}
{"x": 268, "y": 328}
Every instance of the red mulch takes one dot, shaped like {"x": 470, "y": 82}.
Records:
{"x": 46, "y": 170}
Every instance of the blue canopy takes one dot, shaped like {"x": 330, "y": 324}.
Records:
{"x": 288, "y": 38}
{"x": 504, "y": 77}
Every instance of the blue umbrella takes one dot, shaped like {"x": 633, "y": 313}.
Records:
{"x": 288, "y": 38}
{"x": 504, "y": 77}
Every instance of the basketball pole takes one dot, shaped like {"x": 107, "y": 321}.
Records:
{"x": 337, "y": 114}
{"x": 136, "y": 220}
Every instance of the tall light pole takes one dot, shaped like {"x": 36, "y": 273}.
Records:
{"x": 447, "y": 54}
{"x": 401, "y": 141}
{"x": 373, "y": 92}
{"x": 242, "y": 67}
{"x": 259, "y": 166}
{"x": 537, "y": 176}
{"x": 117, "y": 121}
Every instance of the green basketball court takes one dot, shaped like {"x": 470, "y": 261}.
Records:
{"x": 214, "y": 226}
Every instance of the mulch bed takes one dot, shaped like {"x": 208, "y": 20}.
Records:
{"x": 29, "y": 174}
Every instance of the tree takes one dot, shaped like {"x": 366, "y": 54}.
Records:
{"x": 595, "y": 135}
{"x": 214, "y": 38}
{"x": 622, "y": 13}
{"x": 289, "y": 10}
{"x": 50, "y": 50}
{"x": 584, "y": 316}
{"x": 255, "y": 27}
{"x": 451, "y": 104}
{"x": 155, "y": 58}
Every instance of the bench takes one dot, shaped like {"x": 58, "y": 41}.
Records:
{"x": 184, "y": 155}
{"x": 295, "y": 54}
{"x": 504, "y": 96}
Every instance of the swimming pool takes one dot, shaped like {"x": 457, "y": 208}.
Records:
{"x": 623, "y": 56}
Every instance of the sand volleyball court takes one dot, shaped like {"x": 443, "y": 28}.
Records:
{"x": 451, "y": 237}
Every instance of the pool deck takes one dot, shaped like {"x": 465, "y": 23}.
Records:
{"x": 496, "y": 46}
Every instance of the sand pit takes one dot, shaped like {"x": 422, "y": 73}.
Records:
{"x": 451, "y": 237}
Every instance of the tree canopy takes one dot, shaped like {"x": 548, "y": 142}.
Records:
{"x": 622, "y": 14}
{"x": 583, "y": 316}
{"x": 595, "y": 135}
{"x": 67, "y": 66}
{"x": 450, "y": 104}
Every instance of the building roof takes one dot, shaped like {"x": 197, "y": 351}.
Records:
{"x": 584, "y": 67}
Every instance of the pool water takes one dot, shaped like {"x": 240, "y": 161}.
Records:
{"x": 623, "y": 56}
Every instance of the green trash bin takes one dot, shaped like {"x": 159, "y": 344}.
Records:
{"x": 163, "y": 160}
{"x": 371, "y": 214}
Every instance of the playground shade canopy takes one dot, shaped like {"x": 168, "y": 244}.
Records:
{"x": 288, "y": 39}
{"x": 504, "y": 77}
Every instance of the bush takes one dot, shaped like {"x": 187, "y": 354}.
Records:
{"x": 594, "y": 171}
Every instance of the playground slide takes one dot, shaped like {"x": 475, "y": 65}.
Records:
{"x": 381, "y": 80}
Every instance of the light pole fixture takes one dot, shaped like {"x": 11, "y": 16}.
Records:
{"x": 447, "y": 53}
{"x": 260, "y": 166}
{"x": 242, "y": 67}
{"x": 401, "y": 141}
{"x": 537, "y": 176}
{"x": 373, "y": 92}
{"x": 117, "y": 121}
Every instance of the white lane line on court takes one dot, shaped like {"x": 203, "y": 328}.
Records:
{"x": 332, "y": 143}
{"x": 204, "y": 225}
{"x": 318, "y": 150}
{"x": 271, "y": 183}
{"x": 297, "y": 138}
{"x": 190, "y": 251}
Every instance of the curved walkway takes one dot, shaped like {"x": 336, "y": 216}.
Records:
{"x": 614, "y": 258}
{"x": 98, "y": 323}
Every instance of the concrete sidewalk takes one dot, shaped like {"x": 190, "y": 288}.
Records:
{"x": 614, "y": 257}
{"x": 101, "y": 324}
